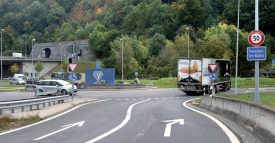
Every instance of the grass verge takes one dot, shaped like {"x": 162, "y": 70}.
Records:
{"x": 12, "y": 88}
{"x": 8, "y": 123}
{"x": 266, "y": 98}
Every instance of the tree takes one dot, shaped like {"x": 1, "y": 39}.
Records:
{"x": 216, "y": 44}
{"x": 134, "y": 54}
{"x": 56, "y": 13}
{"x": 99, "y": 41}
{"x": 156, "y": 43}
{"x": 38, "y": 67}
{"x": 190, "y": 12}
{"x": 14, "y": 68}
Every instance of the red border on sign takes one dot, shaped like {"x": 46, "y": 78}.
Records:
{"x": 213, "y": 70}
{"x": 256, "y": 32}
{"x": 72, "y": 70}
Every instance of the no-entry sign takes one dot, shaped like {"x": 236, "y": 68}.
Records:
{"x": 256, "y": 38}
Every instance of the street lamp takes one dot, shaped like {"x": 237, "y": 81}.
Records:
{"x": 122, "y": 44}
{"x": 33, "y": 40}
{"x": 61, "y": 58}
{"x": 188, "y": 31}
{"x": 237, "y": 50}
{"x": 2, "y": 30}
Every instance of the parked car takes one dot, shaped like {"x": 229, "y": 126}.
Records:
{"x": 17, "y": 81}
{"x": 52, "y": 87}
{"x": 32, "y": 80}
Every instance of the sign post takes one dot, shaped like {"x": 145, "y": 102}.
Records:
{"x": 256, "y": 38}
{"x": 72, "y": 76}
{"x": 213, "y": 68}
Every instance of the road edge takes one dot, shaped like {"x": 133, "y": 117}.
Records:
{"x": 231, "y": 135}
{"x": 52, "y": 116}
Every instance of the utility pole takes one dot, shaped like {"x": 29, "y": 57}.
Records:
{"x": 257, "y": 93}
{"x": 237, "y": 50}
{"x": 2, "y": 30}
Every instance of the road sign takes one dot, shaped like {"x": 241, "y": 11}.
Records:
{"x": 256, "y": 38}
{"x": 98, "y": 65}
{"x": 73, "y": 77}
{"x": 136, "y": 74}
{"x": 213, "y": 76}
{"x": 72, "y": 66}
{"x": 273, "y": 62}
{"x": 212, "y": 68}
{"x": 256, "y": 53}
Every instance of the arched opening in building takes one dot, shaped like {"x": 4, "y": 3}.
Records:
{"x": 46, "y": 53}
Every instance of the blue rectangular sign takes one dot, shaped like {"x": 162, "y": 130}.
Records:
{"x": 273, "y": 62}
{"x": 96, "y": 76}
{"x": 256, "y": 53}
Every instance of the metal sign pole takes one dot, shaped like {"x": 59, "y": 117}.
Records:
{"x": 257, "y": 94}
{"x": 73, "y": 89}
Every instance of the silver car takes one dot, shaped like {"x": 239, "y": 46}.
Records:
{"x": 54, "y": 87}
{"x": 17, "y": 81}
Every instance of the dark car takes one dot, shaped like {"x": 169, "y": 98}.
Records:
{"x": 32, "y": 80}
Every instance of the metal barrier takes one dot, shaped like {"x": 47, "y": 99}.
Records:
{"x": 12, "y": 105}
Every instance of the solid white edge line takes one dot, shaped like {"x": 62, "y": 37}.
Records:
{"x": 48, "y": 119}
{"x": 122, "y": 124}
{"x": 227, "y": 131}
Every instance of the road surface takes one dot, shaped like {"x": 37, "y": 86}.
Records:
{"x": 132, "y": 116}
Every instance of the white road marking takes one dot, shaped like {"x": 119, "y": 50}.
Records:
{"x": 169, "y": 124}
{"x": 65, "y": 127}
{"x": 228, "y": 132}
{"x": 156, "y": 98}
{"x": 48, "y": 119}
{"x": 122, "y": 124}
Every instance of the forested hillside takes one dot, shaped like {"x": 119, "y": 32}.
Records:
{"x": 154, "y": 33}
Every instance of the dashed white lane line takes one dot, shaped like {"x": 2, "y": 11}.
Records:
{"x": 122, "y": 124}
{"x": 228, "y": 132}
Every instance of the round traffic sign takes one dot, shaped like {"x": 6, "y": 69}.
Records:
{"x": 256, "y": 38}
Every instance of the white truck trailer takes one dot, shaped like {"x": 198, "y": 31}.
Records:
{"x": 194, "y": 75}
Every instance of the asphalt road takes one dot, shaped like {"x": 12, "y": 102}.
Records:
{"x": 132, "y": 116}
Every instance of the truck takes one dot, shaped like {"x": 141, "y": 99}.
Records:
{"x": 195, "y": 75}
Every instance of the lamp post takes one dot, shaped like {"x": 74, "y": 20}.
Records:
{"x": 188, "y": 31}
{"x": 122, "y": 55}
{"x": 33, "y": 40}
{"x": 237, "y": 50}
{"x": 61, "y": 59}
{"x": 2, "y": 30}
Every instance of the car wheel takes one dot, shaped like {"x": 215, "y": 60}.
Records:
{"x": 64, "y": 92}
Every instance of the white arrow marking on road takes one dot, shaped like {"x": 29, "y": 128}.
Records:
{"x": 168, "y": 127}
{"x": 65, "y": 127}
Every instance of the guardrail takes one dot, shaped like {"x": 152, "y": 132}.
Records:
{"x": 258, "y": 119}
{"x": 12, "y": 105}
